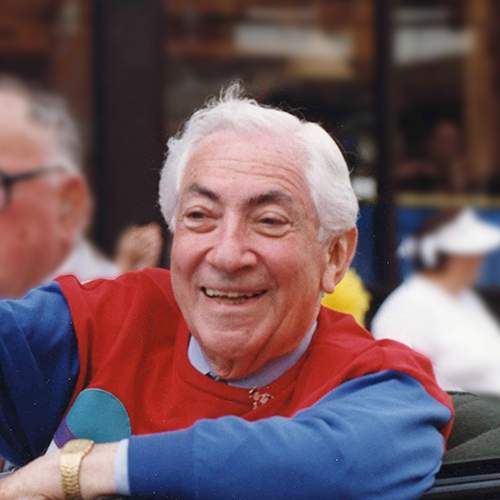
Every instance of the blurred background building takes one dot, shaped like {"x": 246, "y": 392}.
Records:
{"x": 409, "y": 88}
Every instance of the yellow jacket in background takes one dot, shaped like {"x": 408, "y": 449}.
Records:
{"x": 350, "y": 296}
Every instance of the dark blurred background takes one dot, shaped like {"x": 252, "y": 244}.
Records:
{"x": 409, "y": 88}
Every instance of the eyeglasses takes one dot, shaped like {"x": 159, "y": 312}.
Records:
{"x": 7, "y": 181}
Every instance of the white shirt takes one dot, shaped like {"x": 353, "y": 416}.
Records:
{"x": 456, "y": 332}
{"x": 86, "y": 264}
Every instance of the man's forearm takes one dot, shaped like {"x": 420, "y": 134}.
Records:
{"x": 97, "y": 471}
{"x": 373, "y": 426}
{"x": 42, "y": 477}
{"x": 383, "y": 425}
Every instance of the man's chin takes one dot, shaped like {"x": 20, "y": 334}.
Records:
{"x": 228, "y": 344}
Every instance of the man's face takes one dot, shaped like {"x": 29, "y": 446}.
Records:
{"x": 28, "y": 225}
{"x": 246, "y": 262}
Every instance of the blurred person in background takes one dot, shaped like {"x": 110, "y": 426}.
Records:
{"x": 140, "y": 247}
{"x": 45, "y": 202}
{"x": 437, "y": 313}
{"x": 441, "y": 167}
{"x": 444, "y": 150}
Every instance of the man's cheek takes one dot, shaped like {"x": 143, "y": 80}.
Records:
{"x": 178, "y": 269}
{"x": 285, "y": 265}
{"x": 186, "y": 255}
{"x": 21, "y": 237}
{"x": 14, "y": 245}
{"x": 12, "y": 264}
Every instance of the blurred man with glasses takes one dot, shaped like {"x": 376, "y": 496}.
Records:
{"x": 44, "y": 198}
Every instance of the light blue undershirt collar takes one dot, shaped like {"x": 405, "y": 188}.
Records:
{"x": 264, "y": 376}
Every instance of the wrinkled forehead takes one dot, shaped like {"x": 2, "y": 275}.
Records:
{"x": 24, "y": 147}
{"x": 256, "y": 145}
{"x": 270, "y": 156}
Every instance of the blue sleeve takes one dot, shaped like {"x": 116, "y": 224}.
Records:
{"x": 373, "y": 437}
{"x": 38, "y": 371}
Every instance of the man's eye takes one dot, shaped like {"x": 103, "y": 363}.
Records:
{"x": 269, "y": 221}
{"x": 273, "y": 226}
{"x": 196, "y": 215}
{"x": 199, "y": 220}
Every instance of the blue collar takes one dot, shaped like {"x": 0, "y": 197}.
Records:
{"x": 264, "y": 376}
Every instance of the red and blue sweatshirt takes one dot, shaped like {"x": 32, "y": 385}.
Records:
{"x": 353, "y": 418}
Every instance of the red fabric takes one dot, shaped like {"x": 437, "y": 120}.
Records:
{"x": 133, "y": 343}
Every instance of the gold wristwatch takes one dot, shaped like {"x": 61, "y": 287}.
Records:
{"x": 71, "y": 458}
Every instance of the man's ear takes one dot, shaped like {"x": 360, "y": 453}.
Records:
{"x": 74, "y": 203}
{"x": 341, "y": 251}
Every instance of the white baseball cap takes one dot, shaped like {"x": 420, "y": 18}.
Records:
{"x": 464, "y": 235}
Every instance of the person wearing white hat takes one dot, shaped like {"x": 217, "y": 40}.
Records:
{"x": 437, "y": 313}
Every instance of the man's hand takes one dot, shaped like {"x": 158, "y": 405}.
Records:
{"x": 41, "y": 479}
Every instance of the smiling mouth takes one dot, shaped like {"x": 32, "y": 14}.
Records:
{"x": 224, "y": 297}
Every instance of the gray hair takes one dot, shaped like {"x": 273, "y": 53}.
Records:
{"x": 51, "y": 112}
{"x": 327, "y": 173}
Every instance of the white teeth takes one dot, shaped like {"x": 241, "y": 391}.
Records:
{"x": 219, "y": 293}
{"x": 230, "y": 295}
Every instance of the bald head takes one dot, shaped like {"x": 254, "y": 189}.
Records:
{"x": 23, "y": 142}
{"x": 24, "y": 108}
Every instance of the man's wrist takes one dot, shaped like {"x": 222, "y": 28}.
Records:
{"x": 71, "y": 458}
{"x": 97, "y": 472}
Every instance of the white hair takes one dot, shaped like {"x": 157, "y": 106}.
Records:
{"x": 50, "y": 112}
{"x": 327, "y": 173}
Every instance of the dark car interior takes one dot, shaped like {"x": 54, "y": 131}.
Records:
{"x": 471, "y": 465}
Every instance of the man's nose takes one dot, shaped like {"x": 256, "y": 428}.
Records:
{"x": 231, "y": 251}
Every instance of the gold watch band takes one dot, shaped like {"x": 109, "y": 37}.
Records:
{"x": 72, "y": 455}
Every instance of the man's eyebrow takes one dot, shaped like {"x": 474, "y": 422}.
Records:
{"x": 271, "y": 197}
{"x": 198, "y": 189}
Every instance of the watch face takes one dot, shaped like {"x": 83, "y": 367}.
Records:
{"x": 77, "y": 445}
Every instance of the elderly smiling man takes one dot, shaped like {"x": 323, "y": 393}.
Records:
{"x": 224, "y": 378}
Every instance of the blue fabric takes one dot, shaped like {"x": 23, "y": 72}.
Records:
{"x": 373, "y": 437}
{"x": 38, "y": 371}
{"x": 364, "y": 258}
